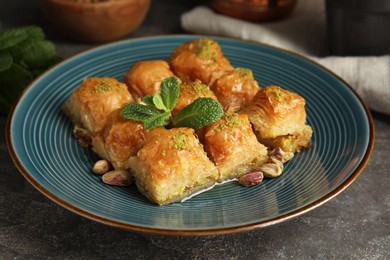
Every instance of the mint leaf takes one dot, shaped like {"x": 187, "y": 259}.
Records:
{"x": 33, "y": 32}
{"x": 40, "y": 54}
{"x": 148, "y": 100}
{"x": 16, "y": 40}
{"x": 151, "y": 117}
{"x": 12, "y": 82}
{"x": 137, "y": 112}
{"x": 5, "y": 60}
{"x": 170, "y": 92}
{"x": 11, "y": 37}
{"x": 201, "y": 112}
{"x": 161, "y": 119}
{"x": 158, "y": 102}
{"x": 24, "y": 54}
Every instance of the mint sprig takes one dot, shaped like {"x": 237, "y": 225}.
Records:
{"x": 158, "y": 109}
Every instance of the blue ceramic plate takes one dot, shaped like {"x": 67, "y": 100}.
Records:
{"x": 41, "y": 143}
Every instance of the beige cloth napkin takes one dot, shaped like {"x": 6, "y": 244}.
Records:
{"x": 304, "y": 32}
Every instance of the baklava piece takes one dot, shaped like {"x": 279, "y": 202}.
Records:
{"x": 90, "y": 104}
{"x": 198, "y": 59}
{"x": 279, "y": 118}
{"x": 235, "y": 88}
{"x": 121, "y": 139}
{"x": 144, "y": 77}
{"x": 233, "y": 147}
{"x": 189, "y": 92}
{"x": 172, "y": 166}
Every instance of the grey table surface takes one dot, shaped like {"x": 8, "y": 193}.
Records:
{"x": 353, "y": 225}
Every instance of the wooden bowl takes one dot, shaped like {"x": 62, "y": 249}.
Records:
{"x": 95, "y": 22}
{"x": 254, "y": 10}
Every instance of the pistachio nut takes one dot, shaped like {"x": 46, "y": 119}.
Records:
{"x": 271, "y": 170}
{"x": 118, "y": 178}
{"x": 280, "y": 155}
{"x": 101, "y": 167}
{"x": 251, "y": 178}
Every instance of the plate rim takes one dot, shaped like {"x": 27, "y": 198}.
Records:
{"x": 198, "y": 232}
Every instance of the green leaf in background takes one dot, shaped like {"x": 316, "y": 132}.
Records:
{"x": 5, "y": 60}
{"x": 40, "y": 54}
{"x": 170, "y": 92}
{"x": 201, "y": 112}
{"x": 11, "y": 38}
{"x": 34, "y": 34}
{"x": 12, "y": 82}
{"x": 24, "y": 54}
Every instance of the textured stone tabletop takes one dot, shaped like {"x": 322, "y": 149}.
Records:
{"x": 353, "y": 225}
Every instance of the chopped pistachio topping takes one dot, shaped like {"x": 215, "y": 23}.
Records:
{"x": 244, "y": 72}
{"x": 231, "y": 119}
{"x": 228, "y": 120}
{"x": 203, "y": 49}
{"x": 180, "y": 141}
{"x": 277, "y": 92}
{"x": 120, "y": 87}
{"x": 103, "y": 86}
{"x": 201, "y": 89}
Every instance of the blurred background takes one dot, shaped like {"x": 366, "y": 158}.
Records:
{"x": 18, "y": 13}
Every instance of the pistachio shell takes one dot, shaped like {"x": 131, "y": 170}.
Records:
{"x": 272, "y": 170}
{"x": 117, "y": 178}
{"x": 280, "y": 155}
{"x": 101, "y": 167}
{"x": 251, "y": 179}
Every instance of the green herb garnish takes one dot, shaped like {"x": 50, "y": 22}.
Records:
{"x": 24, "y": 54}
{"x": 150, "y": 116}
{"x": 158, "y": 109}
{"x": 170, "y": 92}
